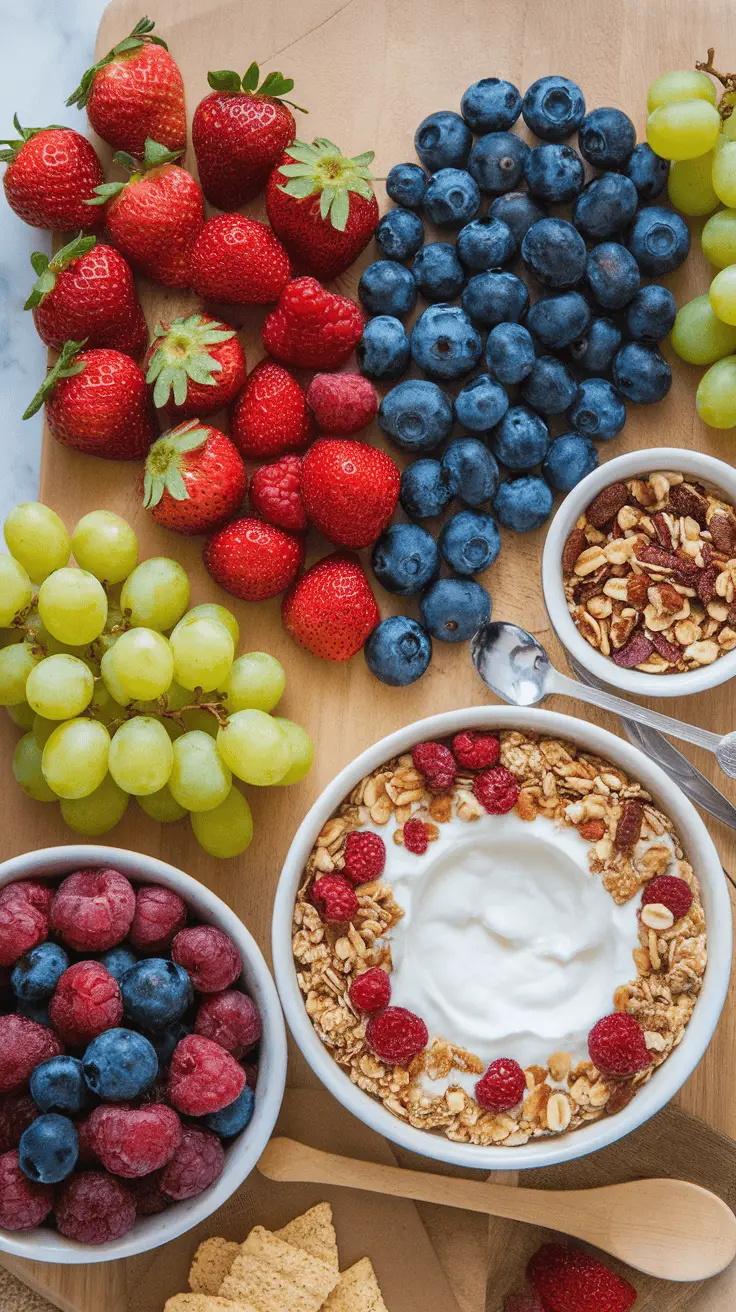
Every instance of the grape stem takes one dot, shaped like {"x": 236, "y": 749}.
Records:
{"x": 215, "y": 708}
{"x": 727, "y": 80}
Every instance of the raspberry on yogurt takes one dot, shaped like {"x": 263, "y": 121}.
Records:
{"x": 416, "y": 836}
{"x": 86, "y": 1002}
{"x": 231, "y": 1019}
{"x": 334, "y": 898}
{"x": 364, "y": 855}
{"x": 159, "y": 914}
{"x": 93, "y": 909}
{"x": 497, "y": 790}
{"x": 617, "y": 1046}
{"x": 437, "y": 763}
{"x": 94, "y": 1208}
{"x": 396, "y": 1035}
{"x": 474, "y": 750}
{"x": 23, "y": 1202}
{"x": 203, "y": 1077}
{"x": 196, "y": 1164}
{"x": 24, "y": 920}
{"x": 371, "y": 991}
{"x": 209, "y": 957}
{"x": 670, "y": 892}
{"x": 134, "y": 1141}
{"x": 23, "y": 1044}
{"x": 502, "y": 1086}
{"x": 17, "y": 1111}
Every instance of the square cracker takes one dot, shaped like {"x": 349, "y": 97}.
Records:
{"x": 310, "y": 1273}
{"x": 314, "y": 1233}
{"x": 204, "y": 1303}
{"x": 356, "y": 1291}
{"x": 210, "y": 1265}
{"x": 255, "y": 1283}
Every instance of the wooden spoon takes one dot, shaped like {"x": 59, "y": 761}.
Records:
{"x": 666, "y": 1228}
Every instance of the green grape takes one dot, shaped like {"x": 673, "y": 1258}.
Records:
{"x": 690, "y": 185}
{"x": 728, "y": 126}
{"x": 199, "y": 778}
{"x": 15, "y": 589}
{"x": 38, "y": 539}
{"x": 27, "y": 770}
{"x": 141, "y": 756}
{"x": 16, "y": 663}
{"x": 203, "y": 653}
{"x": 103, "y": 706}
{"x": 43, "y": 729}
{"x": 302, "y": 750}
{"x": 104, "y": 544}
{"x": 198, "y": 718}
{"x": 209, "y": 610}
{"x": 74, "y": 759}
{"x": 115, "y": 689}
{"x": 255, "y": 747}
{"x": 156, "y": 593}
{"x": 97, "y": 813}
{"x": 683, "y": 129}
{"x": 161, "y": 806}
{"x": 60, "y": 687}
{"x": 715, "y": 398}
{"x": 723, "y": 295}
{"x": 724, "y": 173}
{"x": 683, "y": 84}
{"x": 21, "y": 715}
{"x": 718, "y": 238}
{"x": 227, "y": 829}
{"x": 72, "y": 606}
{"x": 699, "y": 336}
{"x": 256, "y": 682}
{"x": 141, "y": 663}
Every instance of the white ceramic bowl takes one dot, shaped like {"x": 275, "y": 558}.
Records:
{"x": 42, "y": 1245}
{"x": 671, "y": 1075}
{"x": 706, "y": 469}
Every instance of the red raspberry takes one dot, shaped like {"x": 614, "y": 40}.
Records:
{"x": 147, "y": 1195}
{"x": 436, "y": 763}
{"x": 253, "y": 560}
{"x": 365, "y": 856}
{"x": 502, "y": 1086}
{"x": 342, "y": 403}
{"x": 231, "y": 1019}
{"x": 497, "y": 790}
{"x": 371, "y": 991}
{"x": 616, "y": 1045}
{"x": 23, "y": 1202}
{"x": 23, "y": 1044}
{"x": 94, "y": 1208}
{"x": 23, "y": 922}
{"x": 276, "y": 494}
{"x": 569, "y": 1280}
{"x": 311, "y": 327}
{"x": 38, "y": 895}
{"x": 209, "y": 957}
{"x": 196, "y": 1164}
{"x": 132, "y": 1141}
{"x": 334, "y": 898}
{"x": 86, "y": 1001}
{"x": 203, "y": 1077}
{"x": 93, "y": 909}
{"x": 17, "y": 1110}
{"x": 159, "y": 914}
{"x": 396, "y": 1035}
{"x": 87, "y": 1154}
{"x": 416, "y": 838}
{"x": 671, "y": 892}
{"x": 476, "y": 751}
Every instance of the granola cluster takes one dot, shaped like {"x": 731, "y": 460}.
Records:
{"x": 631, "y": 842}
{"x": 650, "y": 574}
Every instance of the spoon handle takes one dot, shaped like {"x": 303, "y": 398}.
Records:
{"x": 607, "y": 701}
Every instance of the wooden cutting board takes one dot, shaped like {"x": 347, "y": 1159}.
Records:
{"x": 369, "y": 70}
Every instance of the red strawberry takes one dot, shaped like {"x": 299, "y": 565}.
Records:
{"x": 276, "y": 494}
{"x": 196, "y": 365}
{"x": 253, "y": 560}
{"x": 97, "y": 402}
{"x": 350, "y": 490}
{"x": 322, "y": 205}
{"x": 568, "y": 1280}
{"x": 331, "y": 610}
{"x": 311, "y": 327}
{"x": 86, "y": 292}
{"x": 51, "y": 176}
{"x": 342, "y": 403}
{"x": 194, "y": 479}
{"x": 239, "y": 261}
{"x": 135, "y": 92}
{"x": 271, "y": 416}
{"x": 239, "y": 133}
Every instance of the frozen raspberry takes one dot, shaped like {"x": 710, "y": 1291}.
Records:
{"x": 94, "y": 1208}
{"x": 159, "y": 914}
{"x": 371, "y": 991}
{"x": 416, "y": 837}
{"x": 196, "y": 1164}
{"x": 497, "y": 790}
{"x": 17, "y": 1110}
{"x": 436, "y": 763}
{"x": 276, "y": 494}
{"x": 93, "y": 909}
{"x": 23, "y": 923}
{"x": 231, "y": 1019}
{"x": 502, "y": 1086}
{"x": 334, "y": 898}
{"x": 476, "y": 751}
{"x": 568, "y": 1280}
{"x": 23, "y": 1202}
{"x": 365, "y": 856}
{"x": 342, "y": 404}
{"x": 209, "y": 957}
{"x": 147, "y": 1195}
{"x": 396, "y": 1035}
{"x": 87, "y": 1155}
{"x": 86, "y": 1002}
{"x": 671, "y": 892}
{"x": 203, "y": 1077}
{"x": 616, "y": 1045}
{"x": 133, "y": 1141}
{"x": 23, "y": 1044}
{"x": 38, "y": 895}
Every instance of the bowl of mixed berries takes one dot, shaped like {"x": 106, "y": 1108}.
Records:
{"x": 142, "y": 1053}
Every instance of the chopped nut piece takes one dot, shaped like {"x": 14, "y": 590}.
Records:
{"x": 657, "y": 916}
{"x": 559, "y": 1113}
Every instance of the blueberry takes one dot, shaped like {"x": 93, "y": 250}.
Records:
{"x": 651, "y": 314}
{"x": 443, "y": 141}
{"x": 554, "y": 173}
{"x": 641, "y": 372}
{"x": 521, "y": 440}
{"x": 519, "y": 211}
{"x": 481, "y": 403}
{"x": 452, "y": 609}
{"x": 399, "y": 650}
{"x": 405, "y": 559}
{"x": 416, "y": 415}
{"x": 386, "y": 287}
{"x": 452, "y": 198}
{"x": 119, "y": 1065}
{"x": 648, "y": 172}
{"x": 399, "y": 234}
{"x": 594, "y": 351}
{"x": 495, "y": 297}
{"x": 491, "y": 105}
{"x": 551, "y": 387}
{"x": 510, "y": 353}
{"x": 406, "y": 185}
{"x": 118, "y": 961}
{"x": 555, "y": 253}
{"x": 612, "y": 274}
{"x": 598, "y": 411}
{"x": 233, "y": 1118}
{"x": 497, "y": 162}
{"x": 486, "y": 244}
{"x": 559, "y": 319}
{"x": 553, "y": 108}
{"x": 605, "y": 207}
{"x": 659, "y": 240}
{"x": 37, "y": 1011}
{"x": 606, "y": 138}
{"x": 36, "y": 975}
{"x": 57, "y": 1085}
{"x": 423, "y": 493}
{"x": 155, "y": 993}
{"x": 437, "y": 271}
{"x": 570, "y": 459}
{"x": 48, "y": 1149}
{"x": 444, "y": 343}
{"x": 469, "y": 542}
{"x": 523, "y": 504}
{"x": 383, "y": 350}
{"x": 469, "y": 471}
{"x": 165, "y": 1042}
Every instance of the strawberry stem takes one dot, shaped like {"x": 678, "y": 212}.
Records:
{"x": 163, "y": 472}
{"x": 321, "y": 169}
{"x": 182, "y": 353}
{"x": 274, "y": 85}
{"x": 47, "y": 269}
{"x": 15, "y": 144}
{"x": 141, "y": 35}
{"x": 66, "y": 366}
{"x": 154, "y": 156}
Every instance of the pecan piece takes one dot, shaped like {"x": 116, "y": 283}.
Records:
{"x": 666, "y": 649}
{"x": 590, "y": 587}
{"x": 685, "y": 500}
{"x": 572, "y": 549}
{"x": 665, "y": 599}
{"x": 607, "y": 504}
{"x": 637, "y": 650}
{"x": 637, "y": 589}
{"x": 649, "y": 554}
{"x": 707, "y": 583}
{"x": 663, "y": 530}
{"x": 722, "y": 531}
{"x": 622, "y": 627}
{"x": 628, "y": 827}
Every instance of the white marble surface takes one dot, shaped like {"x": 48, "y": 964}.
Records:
{"x": 46, "y": 46}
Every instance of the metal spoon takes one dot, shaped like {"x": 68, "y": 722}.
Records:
{"x": 517, "y": 668}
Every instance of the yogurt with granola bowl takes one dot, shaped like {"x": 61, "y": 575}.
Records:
{"x": 499, "y": 937}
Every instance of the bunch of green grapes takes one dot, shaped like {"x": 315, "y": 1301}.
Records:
{"x": 123, "y": 691}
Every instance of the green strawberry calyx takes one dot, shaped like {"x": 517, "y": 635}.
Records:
{"x": 274, "y": 85}
{"x": 182, "y": 353}
{"x": 46, "y": 269}
{"x": 321, "y": 169}
{"x": 154, "y": 156}
{"x": 66, "y": 366}
{"x": 15, "y": 144}
{"x": 163, "y": 472}
{"x": 140, "y": 36}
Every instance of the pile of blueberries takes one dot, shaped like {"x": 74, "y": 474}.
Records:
{"x": 569, "y": 358}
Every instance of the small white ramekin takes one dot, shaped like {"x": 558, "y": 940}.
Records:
{"x": 693, "y": 464}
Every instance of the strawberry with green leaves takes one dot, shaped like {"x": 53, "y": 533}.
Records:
{"x": 194, "y": 479}
{"x": 52, "y": 175}
{"x": 86, "y": 292}
{"x": 97, "y": 402}
{"x": 194, "y": 366}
